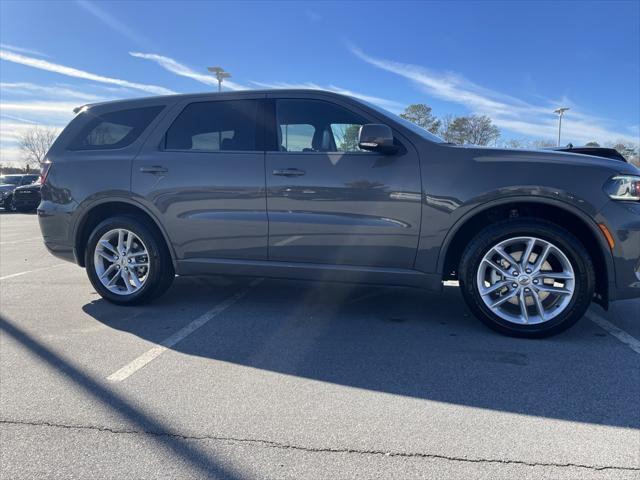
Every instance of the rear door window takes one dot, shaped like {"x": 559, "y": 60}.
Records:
{"x": 115, "y": 129}
{"x": 229, "y": 125}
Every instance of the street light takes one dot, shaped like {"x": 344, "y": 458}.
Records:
{"x": 560, "y": 111}
{"x": 220, "y": 75}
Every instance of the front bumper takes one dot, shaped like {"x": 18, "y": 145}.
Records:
{"x": 623, "y": 221}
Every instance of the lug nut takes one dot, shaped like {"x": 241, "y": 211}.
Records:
{"x": 528, "y": 270}
{"x": 514, "y": 285}
{"x": 527, "y": 289}
{"x": 535, "y": 281}
{"x": 514, "y": 273}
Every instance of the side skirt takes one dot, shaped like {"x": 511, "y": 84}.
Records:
{"x": 311, "y": 271}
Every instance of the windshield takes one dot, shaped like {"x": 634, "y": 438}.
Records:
{"x": 407, "y": 124}
{"x": 10, "y": 180}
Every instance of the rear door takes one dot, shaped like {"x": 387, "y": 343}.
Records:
{"x": 331, "y": 203}
{"x": 202, "y": 174}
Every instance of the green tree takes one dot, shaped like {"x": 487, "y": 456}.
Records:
{"x": 421, "y": 115}
{"x": 349, "y": 141}
{"x": 592, "y": 144}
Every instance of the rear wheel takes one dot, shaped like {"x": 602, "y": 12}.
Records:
{"x": 127, "y": 261}
{"x": 527, "y": 278}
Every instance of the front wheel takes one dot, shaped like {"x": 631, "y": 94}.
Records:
{"x": 527, "y": 278}
{"x": 127, "y": 261}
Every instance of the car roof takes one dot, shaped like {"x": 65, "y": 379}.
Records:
{"x": 195, "y": 96}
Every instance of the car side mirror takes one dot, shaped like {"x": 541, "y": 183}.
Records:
{"x": 376, "y": 137}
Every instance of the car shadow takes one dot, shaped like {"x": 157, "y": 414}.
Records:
{"x": 396, "y": 340}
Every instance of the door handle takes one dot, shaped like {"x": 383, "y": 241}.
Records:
{"x": 155, "y": 170}
{"x": 288, "y": 172}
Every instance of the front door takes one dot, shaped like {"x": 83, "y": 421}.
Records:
{"x": 331, "y": 203}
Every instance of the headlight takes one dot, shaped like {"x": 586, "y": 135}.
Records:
{"x": 623, "y": 187}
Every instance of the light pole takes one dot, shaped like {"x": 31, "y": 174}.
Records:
{"x": 220, "y": 75}
{"x": 560, "y": 111}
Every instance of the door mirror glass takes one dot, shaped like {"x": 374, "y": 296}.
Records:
{"x": 376, "y": 137}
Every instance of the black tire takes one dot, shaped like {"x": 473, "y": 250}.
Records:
{"x": 7, "y": 204}
{"x": 572, "y": 248}
{"x": 161, "y": 273}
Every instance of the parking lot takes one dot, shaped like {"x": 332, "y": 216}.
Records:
{"x": 250, "y": 378}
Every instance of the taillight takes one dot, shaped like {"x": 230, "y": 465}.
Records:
{"x": 45, "y": 171}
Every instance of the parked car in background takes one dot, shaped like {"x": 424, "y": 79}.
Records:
{"x": 26, "y": 198}
{"x": 8, "y": 183}
{"x": 318, "y": 186}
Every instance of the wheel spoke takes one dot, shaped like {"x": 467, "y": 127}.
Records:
{"x": 106, "y": 244}
{"x": 127, "y": 283}
{"x": 557, "y": 275}
{"x": 542, "y": 258}
{"x": 539, "y": 307}
{"x": 120, "y": 240}
{"x": 497, "y": 267}
{"x": 128, "y": 242}
{"x": 524, "y": 261}
{"x": 108, "y": 271}
{"x": 143, "y": 264}
{"x": 134, "y": 278}
{"x": 503, "y": 299}
{"x": 106, "y": 256}
{"x": 138, "y": 254}
{"x": 551, "y": 289}
{"x": 512, "y": 261}
{"x": 496, "y": 286}
{"x": 522, "y": 300}
{"x": 112, "y": 281}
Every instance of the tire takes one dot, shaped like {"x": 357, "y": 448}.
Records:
{"x": 566, "y": 257}
{"x": 155, "y": 278}
{"x": 7, "y": 204}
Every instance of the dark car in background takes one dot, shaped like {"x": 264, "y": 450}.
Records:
{"x": 8, "y": 183}
{"x": 26, "y": 198}
{"x": 318, "y": 186}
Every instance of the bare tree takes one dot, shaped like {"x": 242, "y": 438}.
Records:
{"x": 421, "y": 115}
{"x": 628, "y": 150}
{"x": 473, "y": 129}
{"x": 35, "y": 143}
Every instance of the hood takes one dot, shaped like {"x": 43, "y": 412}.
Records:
{"x": 489, "y": 154}
{"x": 33, "y": 186}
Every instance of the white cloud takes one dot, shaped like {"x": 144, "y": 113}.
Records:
{"x": 178, "y": 68}
{"x": 26, "y": 51}
{"x": 506, "y": 111}
{"x": 112, "y": 22}
{"x": 31, "y": 89}
{"x": 74, "y": 72}
{"x": 382, "y": 102}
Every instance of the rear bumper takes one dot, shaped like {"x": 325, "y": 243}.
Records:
{"x": 26, "y": 202}
{"x": 55, "y": 228}
{"x": 623, "y": 221}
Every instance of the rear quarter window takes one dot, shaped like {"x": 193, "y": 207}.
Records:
{"x": 114, "y": 129}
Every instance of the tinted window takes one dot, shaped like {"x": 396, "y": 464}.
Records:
{"x": 317, "y": 126}
{"x": 10, "y": 180}
{"x": 215, "y": 126}
{"x": 115, "y": 129}
{"x": 29, "y": 179}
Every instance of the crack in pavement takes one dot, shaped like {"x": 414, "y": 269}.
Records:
{"x": 284, "y": 446}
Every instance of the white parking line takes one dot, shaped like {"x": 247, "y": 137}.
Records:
{"x": 16, "y": 242}
{"x": 180, "y": 335}
{"x": 620, "y": 334}
{"x": 19, "y": 274}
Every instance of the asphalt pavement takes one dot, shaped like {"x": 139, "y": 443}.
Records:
{"x": 243, "y": 378}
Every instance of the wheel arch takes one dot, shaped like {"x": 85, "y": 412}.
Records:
{"x": 566, "y": 216}
{"x": 102, "y": 210}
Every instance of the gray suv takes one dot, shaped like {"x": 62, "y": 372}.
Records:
{"x": 318, "y": 186}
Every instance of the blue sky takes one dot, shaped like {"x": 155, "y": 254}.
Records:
{"x": 514, "y": 61}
